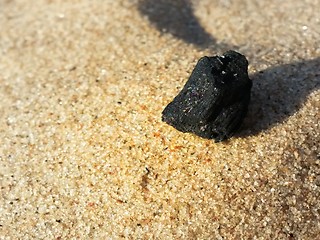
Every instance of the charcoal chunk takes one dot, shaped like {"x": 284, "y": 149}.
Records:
{"x": 215, "y": 99}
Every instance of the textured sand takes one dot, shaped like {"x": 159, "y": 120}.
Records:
{"x": 84, "y": 154}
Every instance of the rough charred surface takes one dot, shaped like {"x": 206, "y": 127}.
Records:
{"x": 215, "y": 99}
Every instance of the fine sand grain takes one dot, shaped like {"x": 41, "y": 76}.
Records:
{"x": 83, "y": 151}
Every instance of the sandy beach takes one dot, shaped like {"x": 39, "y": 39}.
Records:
{"x": 84, "y": 153}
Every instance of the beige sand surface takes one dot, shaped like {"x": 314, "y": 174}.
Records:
{"x": 83, "y": 151}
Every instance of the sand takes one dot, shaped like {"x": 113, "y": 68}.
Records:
{"x": 83, "y": 151}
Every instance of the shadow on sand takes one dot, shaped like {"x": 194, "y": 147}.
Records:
{"x": 177, "y": 18}
{"x": 277, "y": 93}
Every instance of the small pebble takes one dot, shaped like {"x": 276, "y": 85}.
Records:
{"x": 215, "y": 99}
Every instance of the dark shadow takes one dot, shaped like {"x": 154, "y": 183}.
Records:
{"x": 177, "y": 18}
{"x": 278, "y": 92}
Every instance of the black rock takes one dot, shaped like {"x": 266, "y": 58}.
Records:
{"x": 215, "y": 99}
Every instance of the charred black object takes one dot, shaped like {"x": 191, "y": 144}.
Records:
{"x": 215, "y": 99}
